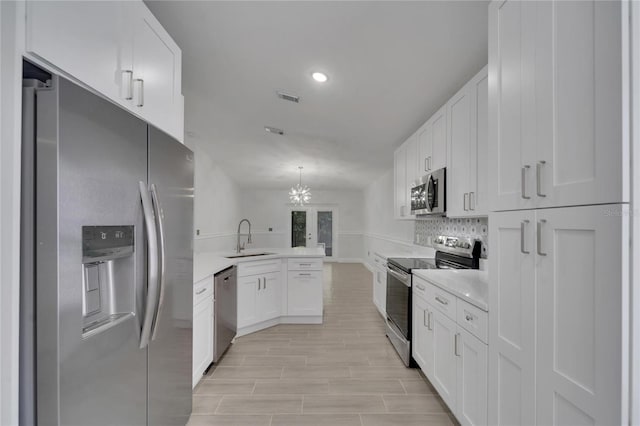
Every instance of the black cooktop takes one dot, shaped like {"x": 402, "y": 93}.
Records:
{"x": 409, "y": 263}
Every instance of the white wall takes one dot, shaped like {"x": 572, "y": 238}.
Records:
{"x": 383, "y": 233}
{"x": 216, "y": 205}
{"x": 269, "y": 208}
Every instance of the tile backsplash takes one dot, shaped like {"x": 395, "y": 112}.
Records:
{"x": 476, "y": 227}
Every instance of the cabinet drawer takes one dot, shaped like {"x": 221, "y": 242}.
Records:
{"x": 302, "y": 264}
{"x": 304, "y": 275}
{"x": 441, "y": 300}
{"x": 202, "y": 290}
{"x": 473, "y": 319}
{"x": 258, "y": 267}
{"x": 379, "y": 261}
{"x": 420, "y": 287}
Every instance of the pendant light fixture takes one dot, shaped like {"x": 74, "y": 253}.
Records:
{"x": 300, "y": 194}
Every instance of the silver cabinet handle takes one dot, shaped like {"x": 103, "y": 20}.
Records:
{"x": 468, "y": 317}
{"x": 258, "y": 283}
{"x": 538, "y": 184}
{"x": 264, "y": 283}
{"x": 202, "y": 290}
{"x": 444, "y": 302}
{"x": 464, "y": 201}
{"x": 456, "y": 344}
{"x": 140, "y": 82}
{"x": 162, "y": 256}
{"x": 308, "y": 264}
{"x": 152, "y": 266}
{"x": 127, "y": 76}
{"x": 522, "y": 225}
{"x": 430, "y": 320}
{"x": 523, "y": 178}
{"x": 304, "y": 275}
{"x": 539, "y": 233}
{"x": 471, "y": 203}
{"x": 420, "y": 287}
{"x": 425, "y": 320}
{"x": 426, "y": 162}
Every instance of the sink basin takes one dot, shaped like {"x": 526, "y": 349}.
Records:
{"x": 248, "y": 255}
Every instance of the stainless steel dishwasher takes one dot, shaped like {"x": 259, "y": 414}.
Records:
{"x": 225, "y": 296}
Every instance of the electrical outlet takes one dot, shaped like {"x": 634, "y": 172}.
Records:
{"x": 270, "y": 229}
{"x": 197, "y": 232}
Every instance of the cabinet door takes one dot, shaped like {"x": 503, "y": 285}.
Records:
{"x": 459, "y": 120}
{"x": 479, "y": 145}
{"x": 425, "y": 144}
{"x": 579, "y": 89}
{"x": 82, "y": 39}
{"x": 401, "y": 209}
{"x": 422, "y": 336}
{"x": 512, "y": 141}
{"x": 582, "y": 300}
{"x": 471, "y": 407}
{"x": 380, "y": 290}
{"x": 439, "y": 146}
{"x": 157, "y": 73}
{"x": 305, "y": 293}
{"x": 512, "y": 319}
{"x": 247, "y": 300}
{"x": 444, "y": 358}
{"x": 411, "y": 169}
{"x": 269, "y": 300}
{"x": 202, "y": 338}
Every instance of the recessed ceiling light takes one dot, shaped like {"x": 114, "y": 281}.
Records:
{"x": 319, "y": 77}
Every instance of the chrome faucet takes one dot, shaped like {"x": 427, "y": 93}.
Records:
{"x": 239, "y": 248}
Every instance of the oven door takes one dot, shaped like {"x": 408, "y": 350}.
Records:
{"x": 399, "y": 299}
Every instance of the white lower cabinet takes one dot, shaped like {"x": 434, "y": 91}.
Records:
{"x": 556, "y": 326}
{"x": 304, "y": 293}
{"x": 258, "y": 298}
{"x": 380, "y": 290}
{"x": 453, "y": 358}
{"x": 203, "y": 333}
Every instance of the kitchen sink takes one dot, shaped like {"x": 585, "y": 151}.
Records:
{"x": 248, "y": 255}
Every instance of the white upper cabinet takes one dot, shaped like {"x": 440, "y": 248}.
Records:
{"x": 467, "y": 170}
{"x": 411, "y": 169}
{"x": 432, "y": 143}
{"x": 116, "y": 48}
{"x": 401, "y": 205}
{"x": 555, "y": 104}
{"x": 425, "y": 147}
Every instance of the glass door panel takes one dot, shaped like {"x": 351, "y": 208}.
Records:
{"x": 298, "y": 228}
{"x": 325, "y": 231}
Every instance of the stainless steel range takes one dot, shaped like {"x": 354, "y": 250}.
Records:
{"x": 451, "y": 253}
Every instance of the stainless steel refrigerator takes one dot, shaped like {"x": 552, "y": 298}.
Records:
{"x": 106, "y": 323}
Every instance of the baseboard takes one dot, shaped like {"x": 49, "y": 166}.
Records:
{"x": 344, "y": 260}
{"x": 312, "y": 319}
{"x": 301, "y": 320}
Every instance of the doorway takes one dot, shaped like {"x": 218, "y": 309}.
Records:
{"x": 313, "y": 227}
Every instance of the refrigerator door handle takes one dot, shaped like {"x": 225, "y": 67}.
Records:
{"x": 162, "y": 258}
{"x": 152, "y": 266}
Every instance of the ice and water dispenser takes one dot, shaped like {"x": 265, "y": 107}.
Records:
{"x": 108, "y": 277}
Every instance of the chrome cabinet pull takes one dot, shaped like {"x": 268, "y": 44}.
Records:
{"x": 468, "y": 317}
{"x": 258, "y": 283}
{"x": 128, "y": 75}
{"x": 140, "y": 102}
{"x": 425, "y": 320}
{"x": 429, "y": 163}
{"x": 420, "y": 287}
{"x": 522, "y": 225}
{"x": 523, "y": 177}
{"x": 426, "y": 162}
{"x": 538, "y": 184}
{"x": 456, "y": 344}
{"x": 430, "y": 320}
{"x": 471, "y": 203}
{"x": 539, "y": 233}
{"x": 444, "y": 302}
{"x": 202, "y": 290}
{"x": 464, "y": 201}
{"x": 264, "y": 283}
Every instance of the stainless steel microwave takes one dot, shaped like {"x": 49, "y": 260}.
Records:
{"x": 429, "y": 193}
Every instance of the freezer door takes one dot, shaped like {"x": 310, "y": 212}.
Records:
{"x": 171, "y": 181}
{"x": 90, "y": 257}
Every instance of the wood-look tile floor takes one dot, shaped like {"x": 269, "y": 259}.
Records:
{"x": 341, "y": 373}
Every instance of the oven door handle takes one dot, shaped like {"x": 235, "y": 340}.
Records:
{"x": 404, "y": 278}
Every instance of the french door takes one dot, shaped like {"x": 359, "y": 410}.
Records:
{"x": 312, "y": 227}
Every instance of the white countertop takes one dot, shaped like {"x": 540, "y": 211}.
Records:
{"x": 471, "y": 285}
{"x": 209, "y": 263}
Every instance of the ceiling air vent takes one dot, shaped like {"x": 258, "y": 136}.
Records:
{"x": 288, "y": 97}
{"x": 274, "y": 130}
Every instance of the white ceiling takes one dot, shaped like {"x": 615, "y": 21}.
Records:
{"x": 390, "y": 65}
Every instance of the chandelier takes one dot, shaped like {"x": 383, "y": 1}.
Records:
{"x": 300, "y": 194}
